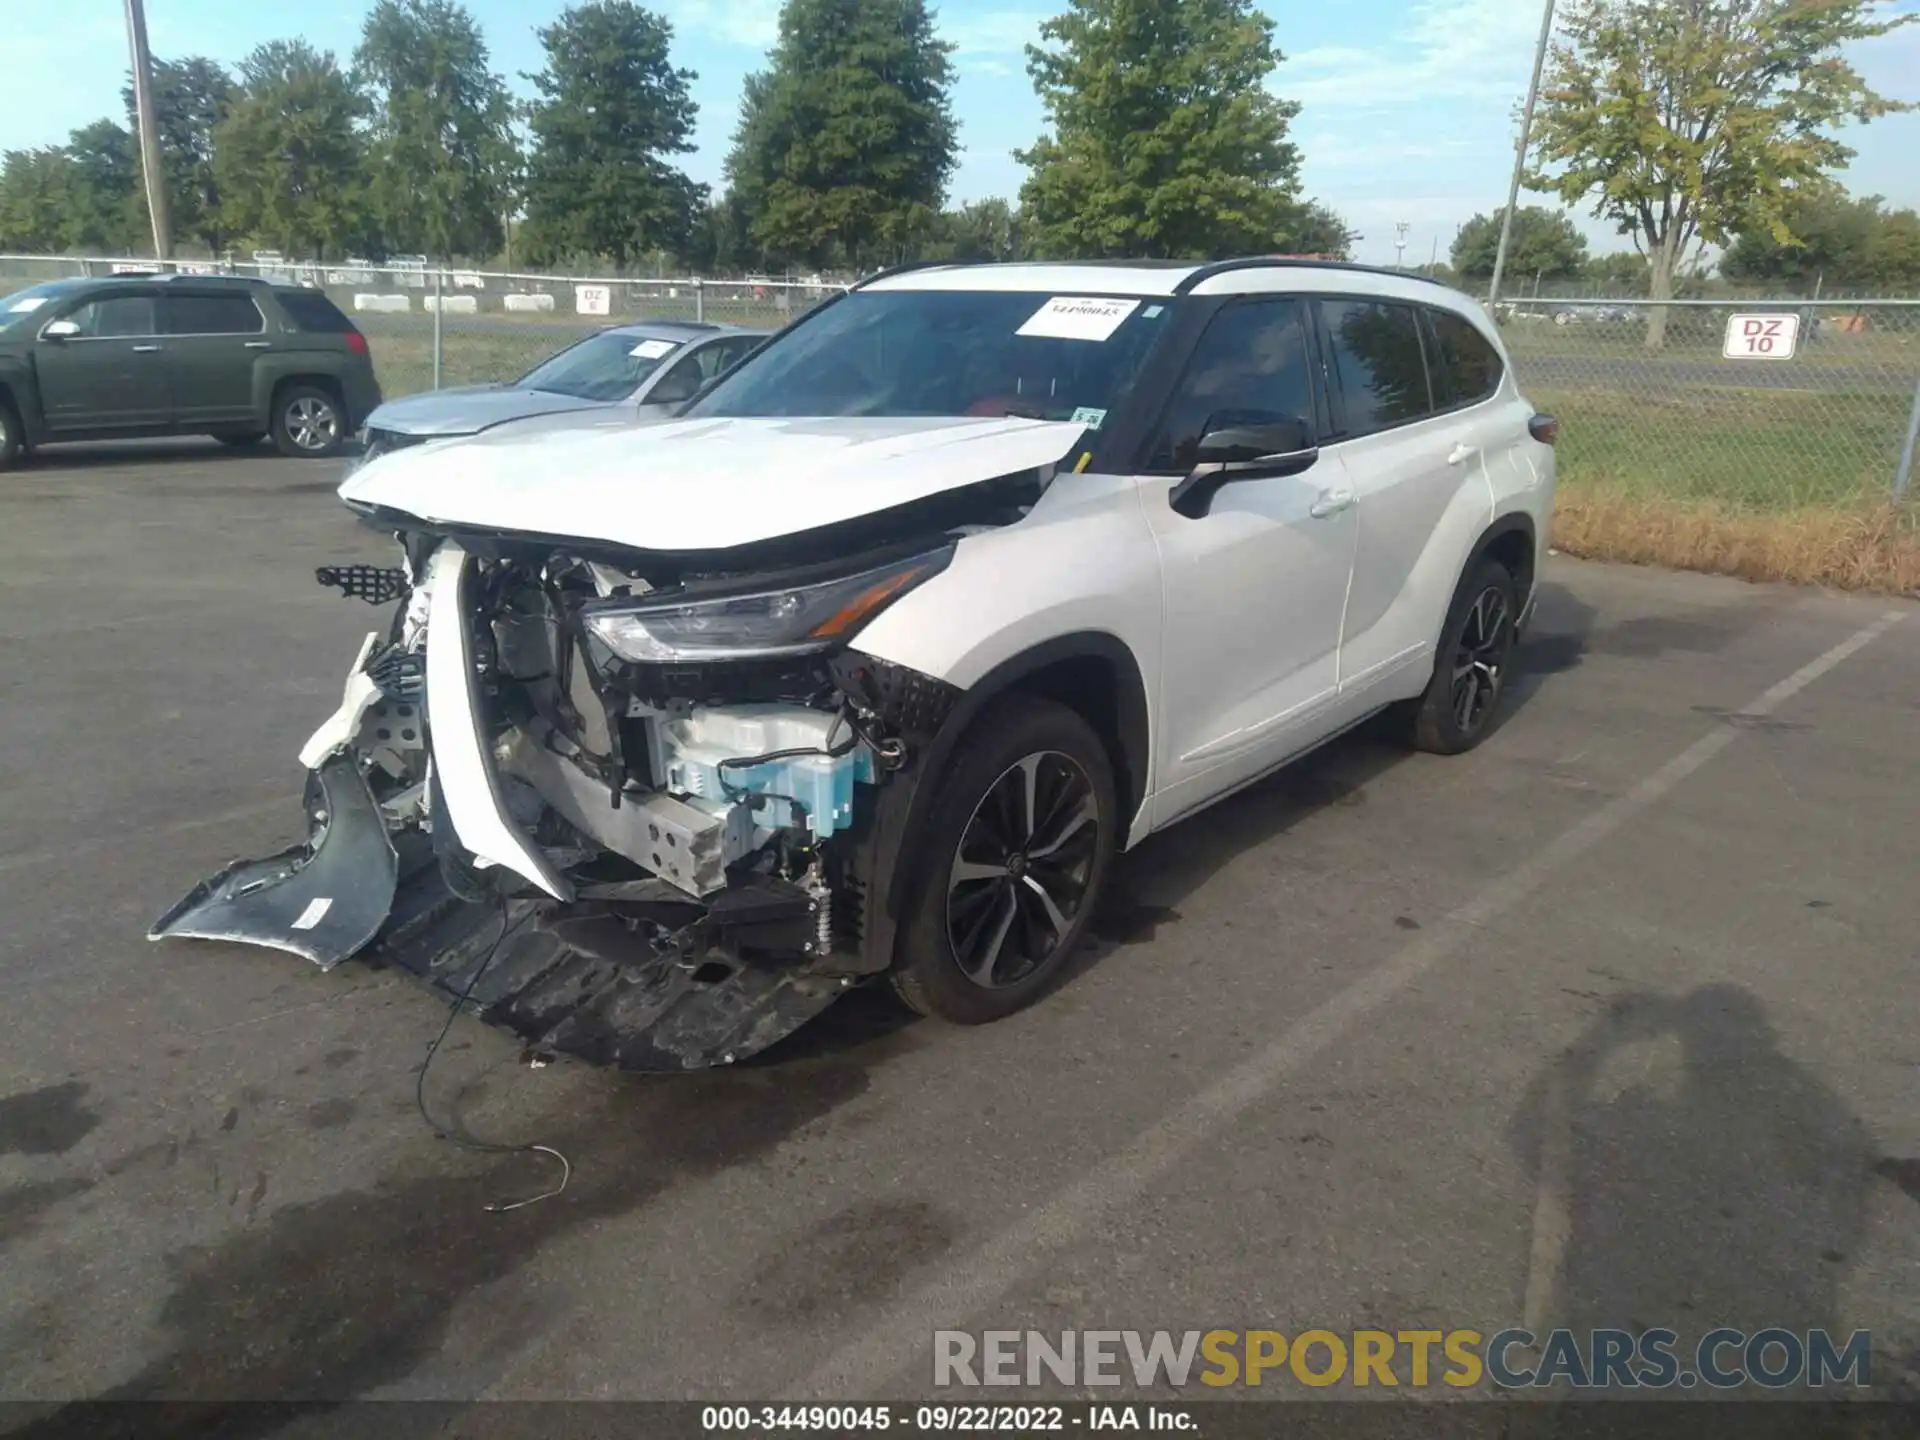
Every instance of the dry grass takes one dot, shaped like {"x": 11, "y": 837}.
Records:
{"x": 1873, "y": 547}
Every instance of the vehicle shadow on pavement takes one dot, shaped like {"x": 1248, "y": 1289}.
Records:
{"x": 1689, "y": 1175}
{"x": 168, "y": 451}
{"x": 1149, "y": 882}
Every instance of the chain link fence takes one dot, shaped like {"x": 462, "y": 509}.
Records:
{"x": 432, "y": 328}
{"x": 1816, "y": 408}
{"x": 1750, "y": 405}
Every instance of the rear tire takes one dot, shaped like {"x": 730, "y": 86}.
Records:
{"x": 1471, "y": 666}
{"x": 1015, "y": 855}
{"x": 12, "y": 437}
{"x": 308, "y": 423}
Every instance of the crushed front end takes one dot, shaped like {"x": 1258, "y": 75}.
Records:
{"x": 628, "y": 805}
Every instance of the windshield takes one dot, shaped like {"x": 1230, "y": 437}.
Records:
{"x": 20, "y": 307}
{"x": 601, "y": 367}
{"x": 904, "y": 353}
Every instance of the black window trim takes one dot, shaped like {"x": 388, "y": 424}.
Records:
{"x": 149, "y": 293}
{"x": 236, "y": 293}
{"x": 1429, "y": 335}
{"x": 1169, "y": 368}
{"x": 1342, "y": 433}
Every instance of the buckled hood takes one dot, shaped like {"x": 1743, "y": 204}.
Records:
{"x": 701, "y": 484}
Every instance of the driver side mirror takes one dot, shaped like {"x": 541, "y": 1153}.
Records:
{"x": 1267, "y": 451}
{"x": 59, "y": 330}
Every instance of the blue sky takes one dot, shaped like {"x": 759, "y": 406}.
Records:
{"x": 1407, "y": 116}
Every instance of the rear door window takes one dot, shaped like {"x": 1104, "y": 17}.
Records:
{"x": 1466, "y": 368}
{"x": 1250, "y": 368}
{"x": 1379, "y": 368}
{"x": 209, "y": 315}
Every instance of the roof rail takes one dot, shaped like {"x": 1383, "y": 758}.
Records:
{"x": 893, "y": 270}
{"x": 1277, "y": 262}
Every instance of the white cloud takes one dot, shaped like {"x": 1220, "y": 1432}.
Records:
{"x": 981, "y": 65}
{"x": 754, "y": 23}
{"x": 996, "y": 32}
{"x": 1447, "y": 50}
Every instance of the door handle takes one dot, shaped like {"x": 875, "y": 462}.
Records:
{"x": 146, "y": 349}
{"x": 1330, "y": 503}
{"x": 1462, "y": 453}
{"x": 259, "y": 345}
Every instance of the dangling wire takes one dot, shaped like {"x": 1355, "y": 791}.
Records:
{"x": 456, "y": 1132}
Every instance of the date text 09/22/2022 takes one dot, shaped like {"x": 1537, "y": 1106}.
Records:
{"x": 943, "y": 1419}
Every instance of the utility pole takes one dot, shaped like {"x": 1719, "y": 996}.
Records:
{"x": 150, "y": 166}
{"x": 1520, "y": 153}
{"x": 1400, "y": 229}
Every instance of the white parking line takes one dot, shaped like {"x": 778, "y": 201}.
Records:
{"x": 869, "y": 1364}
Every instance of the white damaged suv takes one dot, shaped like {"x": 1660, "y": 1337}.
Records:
{"x": 868, "y": 664}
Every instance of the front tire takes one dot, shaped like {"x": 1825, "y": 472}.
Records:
{"x": 12, "y": 440}
{"x": 1470, "y": 671}
{"x": 1016, "y": 854}
{"x": 308, "y": 423}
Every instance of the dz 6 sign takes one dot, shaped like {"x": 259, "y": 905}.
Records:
{"x": 1761, "y": 337}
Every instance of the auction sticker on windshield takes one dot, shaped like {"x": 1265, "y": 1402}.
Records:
{"x": 651, "y": 349}
{"x": 21, "y": 307}
{"x": 1076, "y": 317}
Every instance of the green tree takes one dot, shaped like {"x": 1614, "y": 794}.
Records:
{"x": 1694, "y": 121}
{"x": 1838, "y": 241}
{"x": 722, "y": 240}
{"x": 190, "y": 99}
{"x": 978, "y": 233}
{"x": 1317, "y": 229}
{"x": 105, "y": 208}
{"x": 442, "y": 153}
{"x": 847, "y": 139}
{"x": 289, "y": 158}
{"x": 611, "y": 110}
{"x": 35, "y": 205}
{"x": 1623, "y": 272}
{"x": 1165, "y": 140}
{"x": 1544, "y": 242}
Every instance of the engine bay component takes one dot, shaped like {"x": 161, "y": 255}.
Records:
{"x": 372, "y": 583}
{"x": 687, "y": 817}
{"x": 746, "y": 753}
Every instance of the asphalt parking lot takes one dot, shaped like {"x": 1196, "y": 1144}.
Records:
{"x": 1613, "y": 1022}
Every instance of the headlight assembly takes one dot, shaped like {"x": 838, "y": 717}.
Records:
{"x": 790, "y": 620}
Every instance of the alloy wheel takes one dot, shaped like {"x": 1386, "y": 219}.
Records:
{"x": 1479, "y": 663}
{"x": 1020, "y": 874}
{"x": 312, "y": 423}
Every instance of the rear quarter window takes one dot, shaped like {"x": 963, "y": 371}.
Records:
{"x": 312, "y": 311}
{"x": 1466, "y": 369}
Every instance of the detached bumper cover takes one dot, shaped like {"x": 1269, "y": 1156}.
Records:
{"x": 326, "y": 899}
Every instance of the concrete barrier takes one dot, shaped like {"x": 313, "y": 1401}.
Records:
{"x": 541, "y": 303}
{"x": 452, "y": 304}
{"x": 384, "y": 304}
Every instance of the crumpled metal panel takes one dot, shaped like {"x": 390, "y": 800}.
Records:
{"x": 325, "y": 900}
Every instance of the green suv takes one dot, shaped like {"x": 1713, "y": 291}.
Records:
{"x": 237, "y": 359}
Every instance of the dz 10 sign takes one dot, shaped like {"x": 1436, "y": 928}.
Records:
{"x": 1762, "y": 337}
